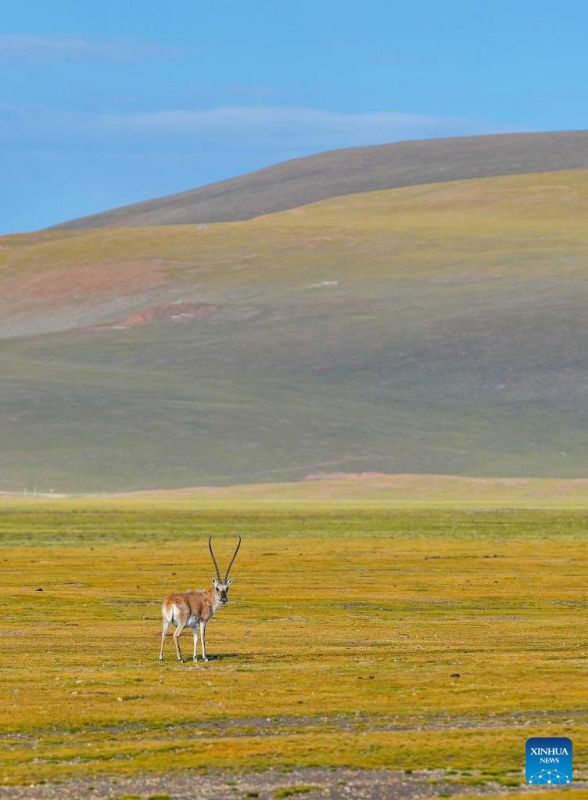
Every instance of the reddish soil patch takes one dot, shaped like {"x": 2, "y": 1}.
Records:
{"x": 175, "y": 312}
{"x": 86, "y": 283}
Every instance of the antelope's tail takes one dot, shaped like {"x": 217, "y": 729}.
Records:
{"x": 168, "y": 611}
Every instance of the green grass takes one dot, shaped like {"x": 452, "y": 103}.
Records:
{"x": 452, "y": 343}
{"x": 338, "y": 647}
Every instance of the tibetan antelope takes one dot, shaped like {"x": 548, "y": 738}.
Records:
{"x": 194, "y": 609}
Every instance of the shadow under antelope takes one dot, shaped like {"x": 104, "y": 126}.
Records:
{"x": 194, "y": 609}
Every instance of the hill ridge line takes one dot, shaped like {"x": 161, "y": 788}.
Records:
{"x": 301, "y": 181}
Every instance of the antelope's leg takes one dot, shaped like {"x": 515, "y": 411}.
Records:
{"x": 163, "y": 635}
{"x": 195, "y": 635}
{"x": 181, "y": 624}
{"x": 203, "y": 640}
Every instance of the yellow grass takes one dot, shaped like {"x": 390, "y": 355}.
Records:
{"x": 342, "y": 645}
{"x": 374, "y": 490}
{"x": 347, "y": 491}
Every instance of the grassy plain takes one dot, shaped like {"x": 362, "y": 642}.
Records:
{"x": 405, "y": 639}
{"x": 373, "y": 490}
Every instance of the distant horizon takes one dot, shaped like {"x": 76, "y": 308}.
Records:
{"x": 300, "y": 158}
{"x": 408, "y": 162}
{"x": 101, "y": 106}
{"x": 269, "y": 165}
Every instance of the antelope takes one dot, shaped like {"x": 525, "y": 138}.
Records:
{"x": 194, "y": 609}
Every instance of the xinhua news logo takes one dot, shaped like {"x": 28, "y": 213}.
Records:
{"x": 548, "y": 760}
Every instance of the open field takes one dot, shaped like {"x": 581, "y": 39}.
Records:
{"x": 374, "y": 639}
{"x": 373, "y": 490}
{"x": 343, "y": 491}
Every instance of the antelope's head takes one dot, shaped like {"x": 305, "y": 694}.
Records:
{"x": 221, "y": 585}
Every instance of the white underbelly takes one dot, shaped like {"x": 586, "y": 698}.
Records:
{"x": 192, "y": 621}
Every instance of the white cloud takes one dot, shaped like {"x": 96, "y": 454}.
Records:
{"x": 262, "y": 133}
{"x": 271, "y": 118}
{"x": 29, "y": 48}
{"x": 305, "y": 127}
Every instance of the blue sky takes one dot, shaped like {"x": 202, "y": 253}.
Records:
{"x": 110, "y": 102}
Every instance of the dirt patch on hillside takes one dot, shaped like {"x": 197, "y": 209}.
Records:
{"x": 174, "y": 312}
{"x": 87, "y": 282}
{"x": 180, "y": 311}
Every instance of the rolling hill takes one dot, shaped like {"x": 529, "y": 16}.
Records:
{"x": 436, "y": 328}
{"x": 359, "y": 169}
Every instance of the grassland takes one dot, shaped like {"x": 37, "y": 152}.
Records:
{"x": 372, "y": 490}
{"x": 431, "y": 329}
{"x": 376, "y": 638}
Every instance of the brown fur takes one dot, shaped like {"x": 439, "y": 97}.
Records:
{"x": 193, "y": 610}
{"x": 199, "y": 603}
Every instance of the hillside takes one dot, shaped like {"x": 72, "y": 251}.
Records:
{"x": 360, "y": 169}
{"x": 429, "y": 329}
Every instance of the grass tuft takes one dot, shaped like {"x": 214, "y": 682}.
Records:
{"x": 292, "y": 791}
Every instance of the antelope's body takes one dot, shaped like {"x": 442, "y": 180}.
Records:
{"x": 194, "y": 609}
{"x": 188, "y": 610}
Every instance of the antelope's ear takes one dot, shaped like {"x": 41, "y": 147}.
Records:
{"x": 214, "y": 582}
{"x": 229, "y": 582}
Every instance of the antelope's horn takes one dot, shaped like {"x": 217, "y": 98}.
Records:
{"x": 214, "y": 560}
{"x": 233, "y": 558}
